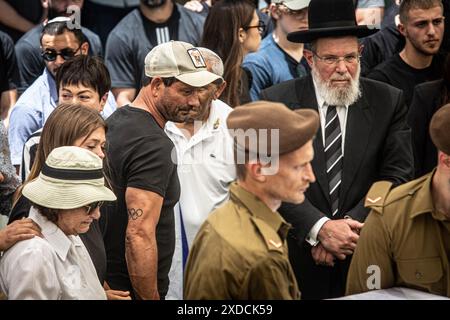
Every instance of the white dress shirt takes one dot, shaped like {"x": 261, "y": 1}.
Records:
{"x": 342, "y": 111}
{"x": 205, "y": 170}
{"x": 55, "y": 267}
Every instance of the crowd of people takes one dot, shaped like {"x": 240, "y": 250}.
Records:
{"x": 228, "y": 149}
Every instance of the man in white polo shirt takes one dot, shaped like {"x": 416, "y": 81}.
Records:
{"x": 205, "y": 168}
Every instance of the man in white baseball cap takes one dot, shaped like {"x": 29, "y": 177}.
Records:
{"x": 143, "y": 174}
{"x": 279, "y": 59}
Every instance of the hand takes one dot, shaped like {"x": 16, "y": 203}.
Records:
{"x": 321, "y": 256}
{"x": 117, "y": 295}
{"x": 194, "y": 5}
{"x": 338, "y": 237}
{"x": 1, "y": 177}
{"x": 17, "y": 231}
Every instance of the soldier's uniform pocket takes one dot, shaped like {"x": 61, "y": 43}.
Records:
{"x": 423, "y": 273}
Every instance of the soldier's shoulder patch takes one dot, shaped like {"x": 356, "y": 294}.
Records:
{"x": 377, "y": 195}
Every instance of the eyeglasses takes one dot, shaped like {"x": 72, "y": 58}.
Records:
{"x": 92, "y": 206}
{"x": 52, "y": 54}
{"x": 349, "y": 58}
{"x": 261, "y": 26}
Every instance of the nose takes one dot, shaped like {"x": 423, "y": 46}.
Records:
{"x": 194, "y": 100}
{"x": 100, "y": 153}
{"x": 59, "y": 60}
{"x": 341, "y": 67}
{"x": 309, "y": 174}
{"x": 95, "y": 214}
{"x": 431, "y": 29}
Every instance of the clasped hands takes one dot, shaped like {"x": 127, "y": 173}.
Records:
{"x": 338, "y": 239}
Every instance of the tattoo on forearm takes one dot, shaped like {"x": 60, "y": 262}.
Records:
{"x": 134, "y": 213}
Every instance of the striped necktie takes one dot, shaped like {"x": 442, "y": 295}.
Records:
{"x": 333, "y": 155}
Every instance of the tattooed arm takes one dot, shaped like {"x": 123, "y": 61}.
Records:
{"x": 141, "y": 252}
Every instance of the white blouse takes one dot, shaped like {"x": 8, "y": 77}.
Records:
{"x": 55, "y": 267}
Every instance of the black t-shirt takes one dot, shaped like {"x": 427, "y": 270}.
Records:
{"x": 139, "y": 156}
{"x": 399, "y": 74}
{"x": 9, "y": 75}
{"x": 379, "y": 47}
{"x": 92, "y": 239}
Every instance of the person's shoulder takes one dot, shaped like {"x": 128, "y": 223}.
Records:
{"x": 284, "y": 90}
{"x": 129, "y": 22}
{"x": 5, "y": 40}
{"x": 382, "y": 198}
{"x": 191, "y": 15}
{"x": 36, "y": 249}
{"x": 376, "y": 86}
{"x": 30, "y": 38}
{"x": 238, "y": 228}
{"x": 430, "y": 88}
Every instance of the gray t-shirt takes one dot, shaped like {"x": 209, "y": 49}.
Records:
{"x": 132, "y": 39}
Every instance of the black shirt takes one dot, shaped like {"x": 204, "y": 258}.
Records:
{"x": 139, "y": 156}
{"x": 427, "y": 99}
{"x": 401, "y": 75}
{"x": 92, "y": 239}
{"x": 9, "y": 75}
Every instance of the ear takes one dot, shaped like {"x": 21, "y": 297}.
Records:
{"x": 360, "y": 49}
{"x": 274, "y": 12}
{"x": 44, "y": 4}
{"x": 84, "y": 48}
{"x": 103, "y": 101}
{"x": 401, "y": 28}
{"x": 254, "y": 171}
{"x": 219, "y": 90}
{"x": 155, "y": 86}
{"x": 242, "y": 34}
{"x": 308, "y": 56}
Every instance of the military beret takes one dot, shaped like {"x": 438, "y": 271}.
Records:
{"x": 440, "y": 129}
{"x": 261, "y": 119}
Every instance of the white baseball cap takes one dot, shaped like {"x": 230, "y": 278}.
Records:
{"x": 293, "y": 4}
{"x": 180, "y": 60}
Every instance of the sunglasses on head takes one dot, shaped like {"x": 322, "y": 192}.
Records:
{"x": 52, "y": 54}
{"x": 92, "y": 206}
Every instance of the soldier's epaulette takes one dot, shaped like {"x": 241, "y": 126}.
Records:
{"x": 377, "y": 195}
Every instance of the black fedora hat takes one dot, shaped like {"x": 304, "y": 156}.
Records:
{"x": 331, "y": 18}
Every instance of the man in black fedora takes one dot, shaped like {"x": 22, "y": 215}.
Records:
{"x": 363, "y": 138}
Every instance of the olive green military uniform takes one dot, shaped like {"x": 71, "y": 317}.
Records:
{"x": 405, "y": 237}
{"x": 240, "y": 252}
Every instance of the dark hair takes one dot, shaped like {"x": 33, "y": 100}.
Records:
{"x": 167, "y": 81}
{"x": 408, "y": 5}
{"x": 51, "y": 214}
{"x": 91, "y": 72}
{"x": 232, "y": 15}
{"x": 58, "y": 28}
{"x": 446, "y": 91}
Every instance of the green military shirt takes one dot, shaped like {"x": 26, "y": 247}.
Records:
{"x": 405, "y": 238}
{"x": 240, "y": 252}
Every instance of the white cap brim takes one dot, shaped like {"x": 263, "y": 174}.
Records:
{"x": 198, "y": 79}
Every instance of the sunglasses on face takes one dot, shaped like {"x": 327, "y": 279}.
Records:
{"x": 52, "y": 54}
{"x": 92, "y": 206}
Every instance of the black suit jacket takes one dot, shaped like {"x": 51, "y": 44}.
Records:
{"x": 377, "y": 147}
{"x": 427, "y": 99}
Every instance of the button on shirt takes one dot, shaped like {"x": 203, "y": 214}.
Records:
{"x": 342, "y": 111}
{"x": 32, "y": 110}
{"x": 55, "y": 267}
{"x": 205, "y": 170}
